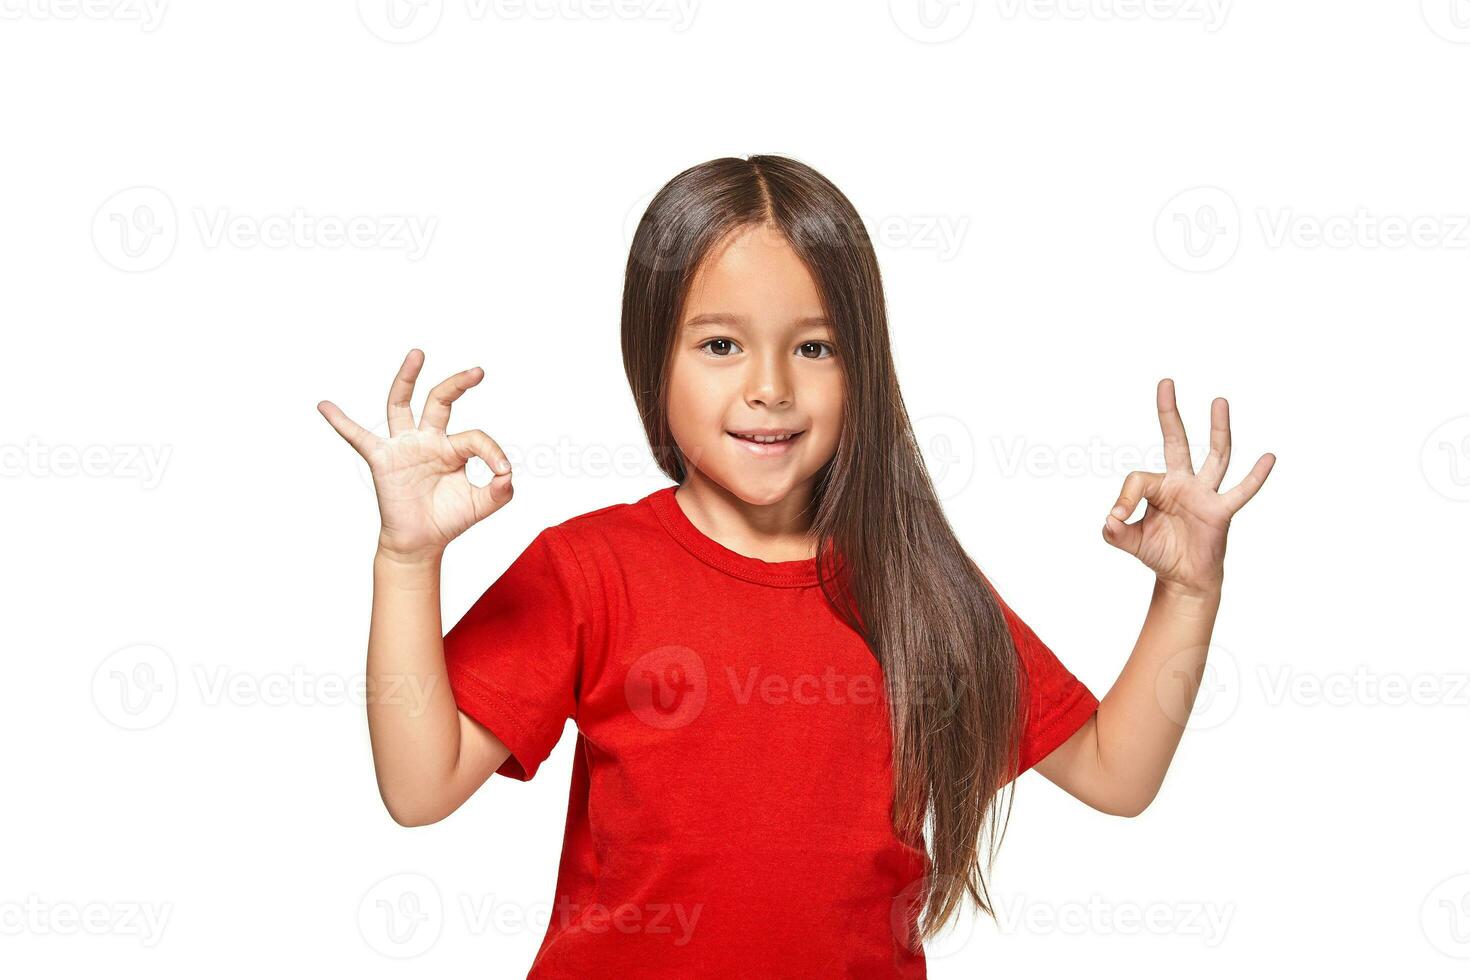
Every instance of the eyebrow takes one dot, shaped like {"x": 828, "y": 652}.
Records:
{"x": 731, "y": 319}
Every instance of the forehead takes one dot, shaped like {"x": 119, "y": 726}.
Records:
{"x": 754, "y": 274}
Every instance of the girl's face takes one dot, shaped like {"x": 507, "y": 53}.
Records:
{"x": 754, "y": 351}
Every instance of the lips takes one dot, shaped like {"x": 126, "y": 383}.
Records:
{"x": 773, "y": 446}
{"x": 765, "y": 437}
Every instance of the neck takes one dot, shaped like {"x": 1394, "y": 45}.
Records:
{"x": 778, "y": 530}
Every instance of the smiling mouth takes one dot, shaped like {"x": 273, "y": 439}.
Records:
{"x": 761, "y": 439}
{"x": 758, "y": 444}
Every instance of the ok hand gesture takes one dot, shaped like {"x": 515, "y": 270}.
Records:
{"x": 425, "y": 499}
{"x": 1182, "y": 533}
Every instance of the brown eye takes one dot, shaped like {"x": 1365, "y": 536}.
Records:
{"x": 816, "y": 343}
{"x": 718, "y": 340}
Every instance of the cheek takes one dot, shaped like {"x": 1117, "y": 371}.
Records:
{"x": 826, "y": 415}
{"x": 694, "y": 407}
{"x": 832, "y": 401}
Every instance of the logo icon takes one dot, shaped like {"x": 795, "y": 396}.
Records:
{"x": 136, "y": 229}
{"x": 1450, "y": 19}
{"x": 402, "y": 915}
{"x": 932, "y": 21}
{"x": 400, "y": 21}
{"x": 947, "y": 448}
{"x": 1199, "y": 229}
{"x": 1218, "y": 688}
{"x": 1445, "y": 916}
{"x": 1445, "y": 458}
{"x": 667, "y": 688}
{"x": 136, "y": 687}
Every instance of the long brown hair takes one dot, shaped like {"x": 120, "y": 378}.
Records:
{"x": 953, "y": 682}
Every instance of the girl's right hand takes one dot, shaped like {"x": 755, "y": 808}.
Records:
{"x": 425, "y": 498}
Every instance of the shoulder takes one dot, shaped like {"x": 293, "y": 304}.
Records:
{"x": 598, "y": 537}
{"x": 628, "y": 517}
{"x": 596, "y": 549}
{"x": 612, "y": 514}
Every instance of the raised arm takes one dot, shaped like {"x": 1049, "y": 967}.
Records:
{"x": 1116, "y": 761}
{"x": 428, "y": 755}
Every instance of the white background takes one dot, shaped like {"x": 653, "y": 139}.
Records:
{"x": 1033, "y": 174}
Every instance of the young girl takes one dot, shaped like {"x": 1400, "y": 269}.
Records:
{"x": 796, "y": 697}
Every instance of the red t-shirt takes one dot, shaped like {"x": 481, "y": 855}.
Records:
{"x": 731, "y": 788}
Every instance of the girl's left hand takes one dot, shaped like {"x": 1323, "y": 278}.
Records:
{"x": 1182, "y": 533}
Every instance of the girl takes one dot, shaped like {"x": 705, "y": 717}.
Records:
{"x": 796, "y": 697}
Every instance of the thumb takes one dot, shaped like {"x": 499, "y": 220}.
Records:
{"x": 1125, "y": 537}
{"x": 497, "y": 493}
{"x": 1138, "y": 485}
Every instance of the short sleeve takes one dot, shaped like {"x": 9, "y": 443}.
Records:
{"x": 1056, "y": 702}
{"x": 514, "y": 659}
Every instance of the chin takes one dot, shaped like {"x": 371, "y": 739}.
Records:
{"x": 758, "y": 494}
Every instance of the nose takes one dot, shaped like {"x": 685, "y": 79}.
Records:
{"x": 769, "y": 385}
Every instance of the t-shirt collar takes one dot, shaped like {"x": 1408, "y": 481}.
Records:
{"x": 801, "y": 572}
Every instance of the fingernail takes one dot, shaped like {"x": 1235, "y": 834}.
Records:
{"x": 502, "y": 466}
{"x": 1119, "y": 512}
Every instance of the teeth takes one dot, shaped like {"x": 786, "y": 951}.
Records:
{"x": 766, "y": 438}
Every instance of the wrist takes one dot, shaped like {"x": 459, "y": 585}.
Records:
{"x": 411, "y": 560}
{"x": 1193, "y": 595}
